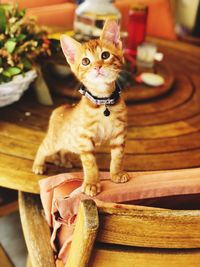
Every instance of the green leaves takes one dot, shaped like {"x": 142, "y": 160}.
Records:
{"x": 2, "y": 20}
{"x": 13, "y": 70}
{"x": 21, "y": 42}
{"x": 10, "y": 45}
{"x": 9, "y": 73}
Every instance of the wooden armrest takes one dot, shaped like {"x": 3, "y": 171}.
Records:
{"x": 36, "y": 231}
{"x": 86, "y": 227}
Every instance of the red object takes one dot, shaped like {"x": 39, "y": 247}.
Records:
{"x": 139, "y": 79}
{"x": 137, "y": 26}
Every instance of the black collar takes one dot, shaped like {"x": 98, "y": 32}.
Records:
{"x": 111, "y": 100}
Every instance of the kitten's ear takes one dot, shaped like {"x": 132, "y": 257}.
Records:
{"x": 111, "y": 33}
{"x": 69, "y": 47}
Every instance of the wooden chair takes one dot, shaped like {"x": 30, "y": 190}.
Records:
{"x": 135, "y": 236}
{"x": 36, "y": 231}
{"x": 128, "y": 235}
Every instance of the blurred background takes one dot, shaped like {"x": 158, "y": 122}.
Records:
{"x": 182, "y": 16}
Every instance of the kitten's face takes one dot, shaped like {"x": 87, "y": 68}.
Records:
{"x": 97, "y": 62}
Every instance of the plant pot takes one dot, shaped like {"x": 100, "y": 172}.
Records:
{"x": 12, "y": 91}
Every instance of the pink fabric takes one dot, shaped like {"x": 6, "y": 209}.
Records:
{"x": 61, "y": 195}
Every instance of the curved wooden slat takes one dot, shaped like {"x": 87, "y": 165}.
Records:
{"x": 150, "y": 227}
{"x": 36, "y": 231}
{"x": 87, "y": 224}
{"x": 181, "y": 93}
{"x": 153, "y": 139}
{"x": 140, "y": 236}
{"x": 20, "y": 177}
{"x": 16, "y": 174}
{"x": 185, "y": 111}
{"x": 155, "y": 162}
{"x": 123, "y": 257}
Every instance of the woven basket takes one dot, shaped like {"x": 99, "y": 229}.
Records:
{"x": 12, "y": 91}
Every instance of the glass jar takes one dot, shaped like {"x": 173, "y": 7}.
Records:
{"x": 91, "y": 15}
{"x": 137, "y": 26}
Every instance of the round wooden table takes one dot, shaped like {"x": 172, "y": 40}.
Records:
{"x": 163, "y": 132}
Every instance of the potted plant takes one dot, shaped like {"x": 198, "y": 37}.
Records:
{"x": 21, "y": 42}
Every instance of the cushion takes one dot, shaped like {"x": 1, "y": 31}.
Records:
{"x": 61, "y": 195}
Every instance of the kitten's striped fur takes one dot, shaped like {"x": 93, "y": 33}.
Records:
{"x": 80, "y": 128}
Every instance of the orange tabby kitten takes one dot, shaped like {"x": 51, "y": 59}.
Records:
{"x": 78, "y": 129}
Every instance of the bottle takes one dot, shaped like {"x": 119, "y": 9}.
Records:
{"x": 90, "y": 17}
{"x": 137, "y": 27}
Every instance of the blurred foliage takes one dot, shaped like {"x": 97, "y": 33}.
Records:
{"x": 22, "y": 42}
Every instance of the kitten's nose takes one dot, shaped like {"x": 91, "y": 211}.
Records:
{"x": 97, "y": 67}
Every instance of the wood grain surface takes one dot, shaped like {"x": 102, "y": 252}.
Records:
{"x": 36, "y": 231}
{"x": 153, "y": 228}
{"x": 84, "y": 235}
{"x": 163, "y": 131}
{"x": 130, "y": 235}
{"x": 122, "y": 257}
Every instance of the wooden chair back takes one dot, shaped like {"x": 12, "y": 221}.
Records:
{"x": 119, "y": 236}
{"x": 128, "y": 235}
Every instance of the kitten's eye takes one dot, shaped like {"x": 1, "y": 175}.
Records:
{"x": 85, "y": 61}
{"x": 105, "y": 55}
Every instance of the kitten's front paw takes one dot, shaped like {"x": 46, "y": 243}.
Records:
{"x": 38, "y": 169}
{"x": 121, "y": 177}
{"x": 91, "y": 189}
